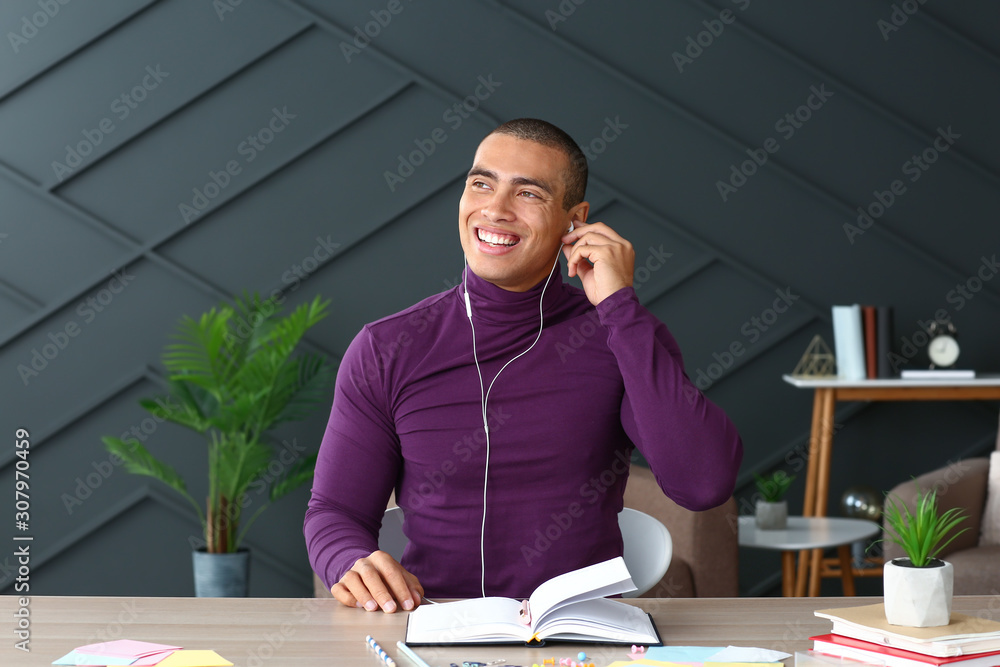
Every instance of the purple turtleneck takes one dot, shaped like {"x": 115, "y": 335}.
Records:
{"x": 563, "y": 419}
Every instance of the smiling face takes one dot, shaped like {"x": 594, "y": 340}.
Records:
{"x": 511, "y": 215}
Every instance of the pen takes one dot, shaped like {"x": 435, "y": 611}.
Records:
{"x": 380, "y": 651}
{"x": 408, "y": 652}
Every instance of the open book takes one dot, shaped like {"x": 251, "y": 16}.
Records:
{"x": 570, "y": 607}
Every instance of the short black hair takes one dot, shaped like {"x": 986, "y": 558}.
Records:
{"x": 547, "y": 134}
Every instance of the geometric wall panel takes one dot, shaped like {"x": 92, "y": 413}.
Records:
{"x": 283, "y": 147}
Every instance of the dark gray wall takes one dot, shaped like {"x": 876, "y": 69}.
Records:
{"x": 213, "y": 78}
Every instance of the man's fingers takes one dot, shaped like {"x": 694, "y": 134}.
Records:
{"x": 579, "y": 255}
{"x": 371, "y": 577}
{"x": 351, "y": 591}
{"x": 343, "y": 596}
{"x": 378, "y": 581}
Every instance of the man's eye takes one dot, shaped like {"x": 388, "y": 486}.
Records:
{"x": 479, "y": 185}
{"x": 529, "y": 194}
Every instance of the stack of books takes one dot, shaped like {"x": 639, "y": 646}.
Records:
{"x": 862, "y": 633}
{"x": 862, "y": 341}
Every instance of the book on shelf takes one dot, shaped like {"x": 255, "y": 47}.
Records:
{"x": 964, "y": 635}
{"x": 868, "y": 318}
{"x": 883, "y": 319}
{"x": 938, "y": 374}
{"x": 571, "y": 607}
{"x": 890, "y": 656}
{"x": 848, "y": 342}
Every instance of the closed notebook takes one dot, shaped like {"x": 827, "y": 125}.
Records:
{"x": 848, "y": 342}
{"x": 571, "y": 607}
{"x": 964, "y": 635}
{"x": 856, "y": 649}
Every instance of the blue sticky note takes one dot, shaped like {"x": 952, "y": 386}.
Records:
{"x": 76, "y": 658}
{"x": 682, "y": 653}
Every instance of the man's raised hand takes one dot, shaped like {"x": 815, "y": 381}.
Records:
{"x": 611, "y": 259}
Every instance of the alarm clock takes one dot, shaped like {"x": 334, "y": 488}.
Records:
{"x": 943, "y": 348}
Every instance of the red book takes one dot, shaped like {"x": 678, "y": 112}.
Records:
{"x": 869, "y": 321}
{"x": 856, "y": 649}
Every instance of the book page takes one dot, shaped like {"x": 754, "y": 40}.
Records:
{"x": 595, "y": 581}
{"x": 604, "y": 619}
{"x": 484, "y": 619}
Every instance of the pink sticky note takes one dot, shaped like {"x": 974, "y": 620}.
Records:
{"x": 125, "y": 648}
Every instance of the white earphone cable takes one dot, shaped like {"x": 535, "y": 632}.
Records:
{"x": 484, "y": 397}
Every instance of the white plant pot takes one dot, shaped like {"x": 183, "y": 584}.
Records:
{"x": 918, "y": 597}
{"x": 771, "y": 516}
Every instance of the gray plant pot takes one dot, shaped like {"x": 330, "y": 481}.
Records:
{"x": 221, "y": 575}
{"x": 772, "y": 516}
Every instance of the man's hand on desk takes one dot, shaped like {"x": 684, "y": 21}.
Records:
{"x": 378, "y": 582}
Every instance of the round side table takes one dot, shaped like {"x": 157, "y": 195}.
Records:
{"x": 808, "y": 532}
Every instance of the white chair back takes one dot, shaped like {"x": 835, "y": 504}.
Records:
{"x": 390, "y": 537}
{"x": 648, "y": 549}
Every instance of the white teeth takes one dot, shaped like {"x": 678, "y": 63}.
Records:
{"x": 495, "y": 239}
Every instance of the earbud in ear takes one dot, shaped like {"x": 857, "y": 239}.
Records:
{"x": 571, "y": 227}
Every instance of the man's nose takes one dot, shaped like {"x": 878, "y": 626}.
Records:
{"x": 498, "y": 209}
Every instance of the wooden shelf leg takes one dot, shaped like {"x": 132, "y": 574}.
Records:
{"x": 822, "y": 478}
{"x": 812, "y": 472}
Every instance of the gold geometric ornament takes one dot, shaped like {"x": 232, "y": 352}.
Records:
{"x": 818, "y": 361}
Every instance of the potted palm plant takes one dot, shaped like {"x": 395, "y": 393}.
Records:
{"x": 233, "y": 376}
{"x": 918, "y": 588}
{"x": 771, "y": 510}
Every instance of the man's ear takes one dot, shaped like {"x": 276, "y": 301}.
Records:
{"x": 578, "y": 214}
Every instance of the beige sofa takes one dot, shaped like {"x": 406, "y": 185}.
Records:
{"x": 960, "y": 485}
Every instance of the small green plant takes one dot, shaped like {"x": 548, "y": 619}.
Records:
{"x": 773, "y": 487}
{"x": 920, "y": 533}
{"x": 234, "y": 376}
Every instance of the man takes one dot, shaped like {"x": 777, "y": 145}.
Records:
{"x": 503, "y": 412}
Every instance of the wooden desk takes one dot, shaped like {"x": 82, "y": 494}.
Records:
{"x": 830, "y": 390}
{"x": 283, "y": 632}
